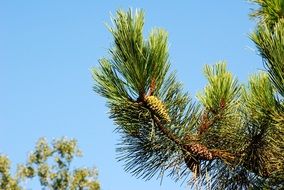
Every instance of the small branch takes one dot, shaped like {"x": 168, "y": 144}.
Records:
{"x": 206, "y": 123}
{"x": 141, "y": 97}
{"x": 223, "y": 155}
{"x": 166, "y": 131}
{"x": 152, "y": 87}
{"x": 195, "y": 148}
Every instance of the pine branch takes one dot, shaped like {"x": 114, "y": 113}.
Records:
{"x": 166, "y": 131}
{"x": 220, "y": 123}
{"x": 234, "y": 135}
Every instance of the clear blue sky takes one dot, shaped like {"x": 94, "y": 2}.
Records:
{"x": 48, "y": 47}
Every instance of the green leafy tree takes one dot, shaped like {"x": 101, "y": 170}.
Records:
{"x": 7, "y": 181}
{"x": 232, "y": 138}
{"x": 51, "y": 165}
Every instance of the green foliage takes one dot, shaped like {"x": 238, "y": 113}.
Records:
{"x": 138, "y": 69}
{"x": 135, "y": 63}
{"x": 233, "y": 134}
{"x": 222, "y": 90}
{"x": 270, "y": 44}
{"x": 51, "y": 165}
{"x": 269, "y": 12}
{"x": 265, "y": 101}
{"x": 263, "y": 139}
{"x": 259, "y": 98}
{"x": 221, "y": 102}
{"x": 7, "y": 181}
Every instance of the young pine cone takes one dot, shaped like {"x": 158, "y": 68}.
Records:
{"x": 158, "y": 108}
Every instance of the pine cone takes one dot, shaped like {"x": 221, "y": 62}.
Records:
{"x": 200, "y": 151}
{"x": 158, "y": 108}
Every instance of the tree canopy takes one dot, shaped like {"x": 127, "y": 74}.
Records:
{"x": 51, "y": 165}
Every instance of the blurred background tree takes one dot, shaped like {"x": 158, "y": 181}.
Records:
{"x": 232, "y": 138}
{"x": 51, "y": 165}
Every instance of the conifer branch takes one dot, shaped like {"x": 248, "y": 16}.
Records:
{"x": 235, "y": 133}
{"x": 166, "y": 131}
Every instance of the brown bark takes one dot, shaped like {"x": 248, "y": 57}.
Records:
{"x": 152, "y": 87}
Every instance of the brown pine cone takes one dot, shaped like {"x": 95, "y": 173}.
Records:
{"x": 200, "y": 151}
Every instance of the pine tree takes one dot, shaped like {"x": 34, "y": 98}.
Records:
{"x": 231, "y": 138}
